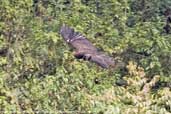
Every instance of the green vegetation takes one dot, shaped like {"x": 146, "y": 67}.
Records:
{"x": 38, "y": 73}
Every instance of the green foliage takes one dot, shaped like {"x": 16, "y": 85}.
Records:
{"x": 38, "y": 72}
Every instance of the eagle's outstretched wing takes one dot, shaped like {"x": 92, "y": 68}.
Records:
{"x": 78, "y": 41}
{"x": 85, "y": 49}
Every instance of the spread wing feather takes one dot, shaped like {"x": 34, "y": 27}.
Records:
{"x": 76, "y": 40}
{"x": 102, "y": 59}
{"x": 85, "y": 49}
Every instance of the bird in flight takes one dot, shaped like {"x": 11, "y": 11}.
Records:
{"x": 84, "y": 49}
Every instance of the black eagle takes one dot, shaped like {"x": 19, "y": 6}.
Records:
{"x": 84, "y": 49}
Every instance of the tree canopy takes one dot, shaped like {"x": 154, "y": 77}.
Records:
{"x": 39, "y": 74}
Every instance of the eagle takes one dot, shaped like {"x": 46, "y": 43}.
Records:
{"x": 84, "y": 49}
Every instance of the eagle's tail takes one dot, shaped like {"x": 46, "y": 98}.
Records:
{"x": 67, "y": 33}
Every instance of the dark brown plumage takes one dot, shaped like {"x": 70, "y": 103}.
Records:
{"x": 84, "y": 48}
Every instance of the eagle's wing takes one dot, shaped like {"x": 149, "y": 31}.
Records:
{"x": 85, "y": 49}
{"x": 76, "y": 40}
{"x": 101, "y": 59}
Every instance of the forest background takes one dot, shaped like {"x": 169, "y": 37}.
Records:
{"x": 38, "y": 73}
